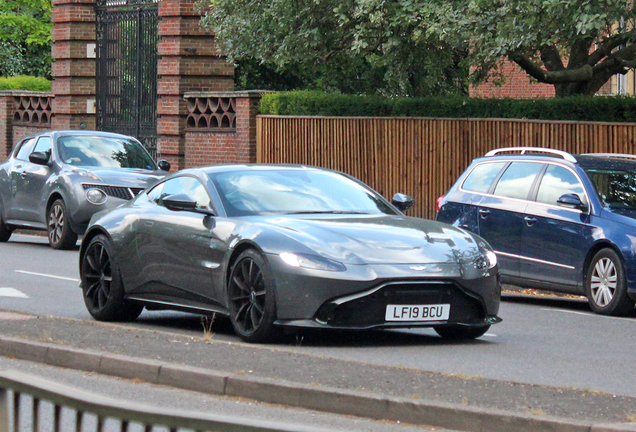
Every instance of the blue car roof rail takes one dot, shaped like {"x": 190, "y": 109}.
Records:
{"x": 523, "y": 150}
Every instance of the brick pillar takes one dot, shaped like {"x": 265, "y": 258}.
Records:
{"x": 188, "y": 61}
{"x": 6, "y": 123}
{"x": 73, "y": 67}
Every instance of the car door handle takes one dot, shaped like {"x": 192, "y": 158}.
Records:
{"x": 23, "y": 174}
{"x": 484, "y": 213}
{"x": 530, "y": 220}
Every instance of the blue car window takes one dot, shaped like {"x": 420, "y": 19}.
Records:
{"x": 517, "y": 180}
{"x": 617, "y": 189}
{"x": 558, "y": 181}
{"x": 25, "y": 150}
{"x": 480, "y": 178}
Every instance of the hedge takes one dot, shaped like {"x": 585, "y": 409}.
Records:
{"x": 576, "y": 108}
{"x": 25, "y": 83}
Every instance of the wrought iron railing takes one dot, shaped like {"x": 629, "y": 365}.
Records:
{"x": 23, "y": 399}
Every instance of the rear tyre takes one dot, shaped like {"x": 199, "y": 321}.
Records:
{"x": 60, "y": 234}
{"x": 605, "y": 285}
{"x": 461, "y": 332}
{"x": 101, "y": 284}
{"x": 252, "y": 298}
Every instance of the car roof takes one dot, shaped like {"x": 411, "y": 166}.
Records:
{"x": 213, "y": 169}
{"x": 588, "y": 161}
{"x": 70, "y": 132}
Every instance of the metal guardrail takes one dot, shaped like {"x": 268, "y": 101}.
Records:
{"x": 19, "y": 391}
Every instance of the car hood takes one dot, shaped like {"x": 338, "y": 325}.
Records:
{"x": 138, "y": 178}
{"x": 380, "y": 239}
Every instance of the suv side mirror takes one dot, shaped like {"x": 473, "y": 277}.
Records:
{"x": 163, "y": 165}
{"x": 572, "y": 200}
{"x": 402, "y": 202}
{"x": 39, "y": 158}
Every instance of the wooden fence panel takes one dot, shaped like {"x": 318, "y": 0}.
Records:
{"x": 421, "y": 157}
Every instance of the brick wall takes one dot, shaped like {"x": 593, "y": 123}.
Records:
{"x": 220, "y": 128}
{"x": 516, "y": 86}
{"x": 22, "y": 113}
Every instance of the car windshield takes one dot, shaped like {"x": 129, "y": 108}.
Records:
{"x": 253, "y": 192}
{"x": 103, "y": 151}
{"x": 615, "y": 188}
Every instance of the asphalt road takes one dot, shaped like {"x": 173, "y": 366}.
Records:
{"x": 541, "y": 341}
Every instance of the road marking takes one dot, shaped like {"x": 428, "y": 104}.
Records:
{"x": 47, "y": 275}
{"x": 590, "y": 314}
{"x": 12, "y": 292}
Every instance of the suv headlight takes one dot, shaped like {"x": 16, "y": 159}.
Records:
{"x": 311, "y": 262}
{"x": 96, "y": 196}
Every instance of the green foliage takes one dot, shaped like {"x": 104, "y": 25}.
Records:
{"x": 349, "y": 46}
{"x": 25, "y": 37}
{"x": 575, "y": 108}
{"x": 25, "y": 83}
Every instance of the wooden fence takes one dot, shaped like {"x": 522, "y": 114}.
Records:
{"x": 421, "y": 157}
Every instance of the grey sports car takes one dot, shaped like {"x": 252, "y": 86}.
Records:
{"x": 56, "y": 180}
{"x": 274, "y": 246}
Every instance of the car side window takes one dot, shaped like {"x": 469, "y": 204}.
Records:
{"x": 188, "y": 186}
{"x": 25, "y": 149}
{"x": 43, "y": 145}
{"x": 482, "y": 176}
{"x": 558, "y": 181}
{"x": 517, "y": 181}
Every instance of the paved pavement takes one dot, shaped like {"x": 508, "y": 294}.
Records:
{"x": 275, "y": 374}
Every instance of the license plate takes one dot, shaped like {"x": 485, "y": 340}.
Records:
{"x": 417, "y": 313}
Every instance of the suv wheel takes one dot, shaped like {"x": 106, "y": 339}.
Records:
{"x": 605, "y": 285}
{"x": 60, "y": 234}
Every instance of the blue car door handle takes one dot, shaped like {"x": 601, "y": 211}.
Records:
{"x": 530, "y": 220}
{"x": 484, "y": 213}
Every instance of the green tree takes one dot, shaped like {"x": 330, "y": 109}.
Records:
{"x": 574, "y": 45}
{"x": 25, "y": 37}
{"x": 354, "y": 46}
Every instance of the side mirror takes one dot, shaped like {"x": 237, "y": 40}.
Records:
{"x": 183, "y": 202}
{"x": 163, "y": 165}
{"x": 573, "y": 201}
{"x": 402, "y": 202}
{"x": 39, "y": 158}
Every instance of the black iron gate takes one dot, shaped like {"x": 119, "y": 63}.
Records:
{"x": 127, "y": 37}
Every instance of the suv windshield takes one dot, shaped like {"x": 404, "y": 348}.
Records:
{"x": 103, "y": 151}
{"x": 615, "y": 188}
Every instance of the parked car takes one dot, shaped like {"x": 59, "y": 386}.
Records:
{"x": 556, "y": 221}
{"x": 279, "y": 245}
{"x": 56, "y": 180}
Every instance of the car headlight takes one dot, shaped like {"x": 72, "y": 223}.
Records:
{"x": 487, "y": 260}
{"x": 96, "y": 196}
{"x": 311, "y": 262}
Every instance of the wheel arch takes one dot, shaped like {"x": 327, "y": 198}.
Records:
{"x": 236, "y": 252}
{"x": 90, "y": 235}
{"x": 596, "y": 247}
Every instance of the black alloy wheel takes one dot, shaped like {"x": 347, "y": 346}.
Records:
{"x": 60, "y": 234}
{"x": 101, "y": 284}
{"x": 461, "y": 332}
{"x": 252, "y": 298}
{"x": 605, "y": 285}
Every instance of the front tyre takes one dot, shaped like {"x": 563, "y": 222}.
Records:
{"x": 60, "y": 234}
{"x": 252, "y": 298}
{"x": 5, "y": 230}
{"x": 101, "y": 284}
{"x": 605, "y": 285}
{"x": 461, "y": 332}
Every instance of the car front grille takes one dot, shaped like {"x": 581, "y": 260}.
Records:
{"x": 115, "y": 191}
{"x": 368, "y": 309}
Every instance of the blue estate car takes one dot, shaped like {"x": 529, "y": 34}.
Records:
{"x": 559, "y": 222}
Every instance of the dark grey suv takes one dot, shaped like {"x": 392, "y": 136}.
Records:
{"x": 556, "y": 221}
{"x": 56, "y": 180}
